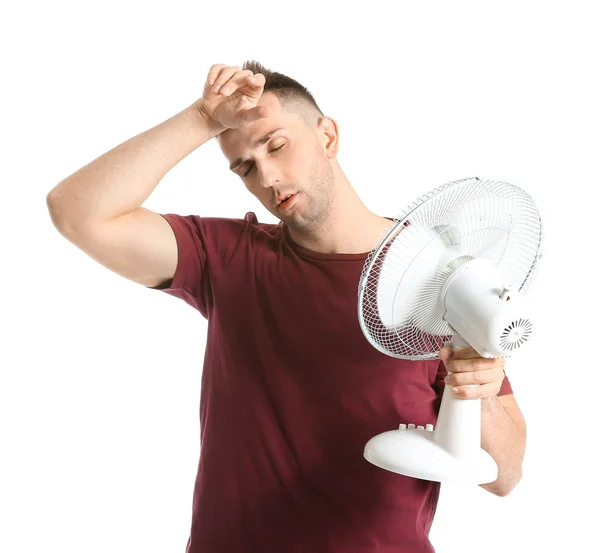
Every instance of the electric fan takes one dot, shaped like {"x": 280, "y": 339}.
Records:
{"x": 452, "y": 270}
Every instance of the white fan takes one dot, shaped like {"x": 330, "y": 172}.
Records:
{"x": 452, "y": 271}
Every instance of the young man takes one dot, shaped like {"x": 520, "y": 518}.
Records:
{"x": 291, "y": 389}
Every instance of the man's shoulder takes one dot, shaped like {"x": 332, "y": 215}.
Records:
{"x": 249, "y": 218}
{"x": 268, "y": 228}
{"x": 247, "y": 227}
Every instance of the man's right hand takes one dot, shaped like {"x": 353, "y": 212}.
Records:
{"x": 230, "y": 97}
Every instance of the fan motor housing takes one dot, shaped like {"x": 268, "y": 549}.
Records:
{"x": 484, "y": 311}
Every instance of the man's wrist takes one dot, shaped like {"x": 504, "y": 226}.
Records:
{"x": 204, "y": 119}
{"x": 488, "y": 402}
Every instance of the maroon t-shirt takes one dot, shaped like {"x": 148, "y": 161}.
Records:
{"x": 291, "y": 392}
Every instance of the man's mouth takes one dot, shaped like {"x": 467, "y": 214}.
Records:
{"x": 283, "y": 199}
{"x": 286, "y": 201}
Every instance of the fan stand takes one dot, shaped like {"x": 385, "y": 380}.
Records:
{"x": 451, "y": 453}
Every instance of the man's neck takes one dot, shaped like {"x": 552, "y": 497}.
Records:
{"x": 353, "y": 229}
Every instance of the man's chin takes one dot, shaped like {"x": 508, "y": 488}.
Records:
{"x": 291, "y": 217}
{"x": 292, "y": 220}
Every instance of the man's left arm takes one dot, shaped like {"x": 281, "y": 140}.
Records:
{"x": 503, "y": 434}
{"x": 503, "y": 429}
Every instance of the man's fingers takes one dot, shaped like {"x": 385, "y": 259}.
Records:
{"x": 249, "y": 116}
{"x": 472, "y": 364}
{"x": 465, "y": 353}
{"x": 257, "y": 80}
{"x": 214, "y": 73}
{"x": 246, "y": 79}
{"x": 224, "y": 77}
{"x": 478, "y": 377}
{"x": 447, "y": 353}
{"x": 238, "y": 80}
{"x": 484, "y": 390}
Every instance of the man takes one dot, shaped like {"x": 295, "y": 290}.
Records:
{"x": 291, "y": 389}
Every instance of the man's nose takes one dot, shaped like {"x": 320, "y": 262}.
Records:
{"x": 268, "y": 177}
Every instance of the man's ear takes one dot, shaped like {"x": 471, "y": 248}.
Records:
{"x": 329, "y": 135}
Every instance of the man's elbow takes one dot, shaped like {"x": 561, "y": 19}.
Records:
{"x": 503, "y": 492}
{"x": 502, "y": 489}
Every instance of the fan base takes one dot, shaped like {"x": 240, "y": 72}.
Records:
{"x": 414, "y": 452}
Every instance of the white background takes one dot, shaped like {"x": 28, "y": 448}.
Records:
{"x": 100, "y": 377}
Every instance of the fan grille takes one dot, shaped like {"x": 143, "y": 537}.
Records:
{"x": 516, "y": 334}
{"x": 399, "y": 311}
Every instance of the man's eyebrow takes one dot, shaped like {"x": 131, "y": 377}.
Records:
{"x": 255, "y": 144}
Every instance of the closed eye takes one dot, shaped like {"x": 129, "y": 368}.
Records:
{"x": 252, "y": 166}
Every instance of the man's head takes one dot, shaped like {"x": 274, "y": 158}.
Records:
{"x": 297, "y": 159}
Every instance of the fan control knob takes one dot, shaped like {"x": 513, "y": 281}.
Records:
{"x": 429, "y": 427}
{"x": 411, "y": 426}
{"x": 420, "y": 427}
{"x": 402, "y": 427}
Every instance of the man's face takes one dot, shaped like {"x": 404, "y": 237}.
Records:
{"x": 291, "y": 161}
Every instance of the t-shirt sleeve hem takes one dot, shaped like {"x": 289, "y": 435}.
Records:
{"x": 177, "y": 282}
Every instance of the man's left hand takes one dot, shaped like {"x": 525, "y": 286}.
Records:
{"x": 468, "y": 367}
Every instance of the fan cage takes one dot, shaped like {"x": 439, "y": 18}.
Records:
{"x": 490, "y": 219}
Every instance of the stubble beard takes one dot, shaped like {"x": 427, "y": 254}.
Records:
{"x": 317, "y": 200}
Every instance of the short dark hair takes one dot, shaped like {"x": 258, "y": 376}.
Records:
{"x": 291, "y": 94}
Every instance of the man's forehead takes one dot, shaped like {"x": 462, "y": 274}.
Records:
{"x": 235, "y": 142}
{"x": 249, "y": 135}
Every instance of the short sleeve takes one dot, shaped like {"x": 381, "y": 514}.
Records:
{"x": 442, "y": 371}
{"x": 205, "y": 247}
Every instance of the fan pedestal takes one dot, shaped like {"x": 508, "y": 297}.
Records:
{"x": 451, "y": 453}
{"x": 414, "y": 452}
